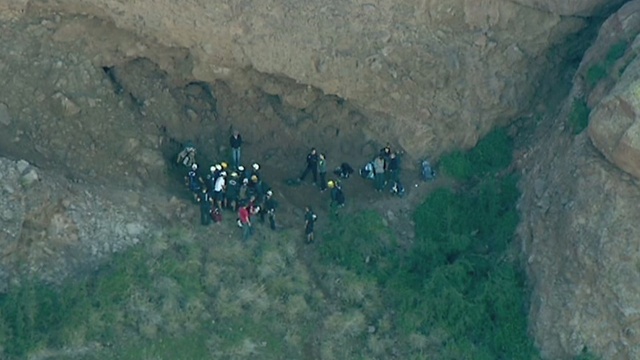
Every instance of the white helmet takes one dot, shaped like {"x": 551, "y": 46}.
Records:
{"x": 269, "y": 193}
{"x": 218, "y": 167}
{"x": 194, "y": 167}
{"x": 224, "y": 173}
{"x": 212, "y": 168}
{"x": 245, "y": 181}
{"x": 240, "y": 168}
{"x": 255, "y": 166}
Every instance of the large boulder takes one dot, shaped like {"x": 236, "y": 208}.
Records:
{"x": 579, "y": 211}
{"x": 569, "y": 7}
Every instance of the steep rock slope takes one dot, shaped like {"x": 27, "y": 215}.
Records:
{"x": 434, "y": 74}
{"x": 580, "y": 211}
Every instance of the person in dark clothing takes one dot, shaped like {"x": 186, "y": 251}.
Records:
{"x": 312, "y": 166}
{"x": 322, "y": 171}
{"x": 394, "y": 168}
{"x": 205, "y": 207}
{"x": 269, "y": 209}
{"x": 385, "y": 152}
{"x": 337, "y": 195}
{"x": 344, "y": 170}
{"x": 309, "y": 222}
{"x": 193, "y": 181}
{"x": 232, "y": 191}
{"x": 235, "y": 142}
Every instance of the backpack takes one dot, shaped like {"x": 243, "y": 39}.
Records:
{"x": 216, "y": 214}
{"x": 367, "y": 171}
{"x": 428, "y": 173}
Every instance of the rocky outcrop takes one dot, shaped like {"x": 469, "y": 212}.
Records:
{"x": 571, "y": 8}
{"x": 579, "y": 233}
{"x": 50, "y": 227}
{"x": 435, "y": 75}
{"x": 614, "y": 121}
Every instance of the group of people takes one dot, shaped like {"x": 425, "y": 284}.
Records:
{"x": 384, "y": 169}
{"x": 229, "y": 187}
{"x": 316, "y": 164}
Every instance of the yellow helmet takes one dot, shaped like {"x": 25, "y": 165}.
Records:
{"x": 254, "y": 178}
{"x": 331, "y": 184}
{"x": 224, "y": 165}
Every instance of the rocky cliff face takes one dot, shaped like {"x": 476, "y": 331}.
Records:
{"x": 435, "y": 75}
{"x": 580, "y": 209}
{"x": 97, "y": 90}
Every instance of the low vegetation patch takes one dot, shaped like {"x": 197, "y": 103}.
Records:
{"x": 457, "y": 293}
{"x": 579, "y": 116}
{"x": 184, "y": 295}
{"x": 601, "y": 70}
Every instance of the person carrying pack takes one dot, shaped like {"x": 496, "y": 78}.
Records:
{"x": 187, "y": 157}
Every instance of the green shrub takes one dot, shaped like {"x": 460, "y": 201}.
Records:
{"x": 491, "y": 154}
{"x": 596, "y": 73}
{"x": 454, "y": 282}
{"x": 361, "y": 243}
{"x": 579, "y": 116}
{"x": 600, "y": 71}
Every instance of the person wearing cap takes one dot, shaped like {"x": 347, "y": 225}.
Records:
{"x": 243, "y": 191}
{"x": 242, "y": 174}
{"x": 192, "y": 181}
{"x": 255, "y": 171}
{"x": 235, "y": 142}
{"x": 269, "y": 209}
{"x": 218, "y": 189}
{"x": 210, "y": 179}
{"x": 231, "y": 193}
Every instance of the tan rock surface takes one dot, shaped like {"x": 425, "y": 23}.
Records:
{"x": 614, "y": 124}
{"x": 580, "y": 213}
{"x": 434, "y": 74}
{"x": 564, "y": 7}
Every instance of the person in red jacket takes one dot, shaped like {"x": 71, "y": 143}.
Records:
{"x": 244, "y": 220}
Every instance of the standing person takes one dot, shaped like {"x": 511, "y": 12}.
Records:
{"x": 243, "y": 191}
{"x": 231, "y": 195}
{"x": 235, "y": 141}
{"x": 309, "y": 222}
{"x": 219, "y": 188}
{"x": 394, "y": 168}
{"x": 322, "y": 171}
{"x": 205, "y": 207}
{"x": 312, "y": 166}
{"x": 193, "y": 181}
{"x": 269, "y": 208}
{"x": 378, "y": 172}
{"x": 337, "y": 195}
{"x": 385, "y": 152}
{"x": 244, "y": 220}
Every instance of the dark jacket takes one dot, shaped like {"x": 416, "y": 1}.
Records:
{"x": 235, "y": 142}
